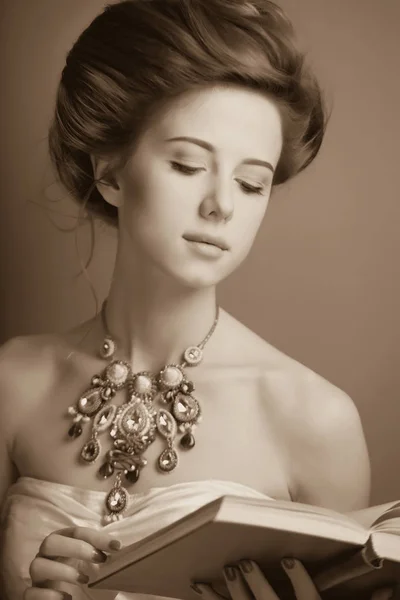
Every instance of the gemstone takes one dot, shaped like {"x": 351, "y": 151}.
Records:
{"x": 135, "y": 420}
{"x": 168, "y": 460}
{"x": 104, "y": 418}
{"x": 117, "y": 372}
{"x": 142, "y": 384}
{"x": 106, "y": 470}
{"x": 185, "y": 408}
{"x": 117, "y": 500}
{"x": 90, "y": 451}
{"x": 72, "y": 410}
{"x": 193, "y": 355}
{"x": 107, "y": 348}
{"x": 188, "y": 441}
{"x": 90, "y": 402}
{"x": 132, "y": 475}
{"x": 171, "y": 376}
{"x": 166, "y": 424}
{"x": 75, "y": 431}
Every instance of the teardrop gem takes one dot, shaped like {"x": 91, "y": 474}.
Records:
{"x": 104, "y": 418}
{"x": 166, "y": 424}
{"x": 106, "y": 470}
{"x": 132, "y": 475}
{"x": 90, "y": 402}
{"x": 117, "y": 500}
{"x": 75, "y": 431}
{"x": 185, "y": 408}
{"x": 135, "y": 420}
{"x": 168, "y": 460}
{"x": 188, "y": 441}
{"x": 90, "y": 451}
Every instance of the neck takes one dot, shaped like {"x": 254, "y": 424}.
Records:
{"x": 155, "y": 321}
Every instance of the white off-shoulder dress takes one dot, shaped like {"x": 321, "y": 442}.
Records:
{"x": 34, "y": 508}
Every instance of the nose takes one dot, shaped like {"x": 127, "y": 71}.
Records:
{"x": 218, "y": 204}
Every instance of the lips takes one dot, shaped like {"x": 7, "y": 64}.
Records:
{"x": 206, "y": 239}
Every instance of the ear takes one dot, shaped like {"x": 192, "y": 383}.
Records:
{"x": 107, "y": 186}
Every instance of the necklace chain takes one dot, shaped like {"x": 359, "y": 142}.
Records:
{"x": 184, "y": 363}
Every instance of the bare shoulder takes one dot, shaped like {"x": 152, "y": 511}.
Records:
{"x": 319, "y": 427}
{"x": 29, "y": 367}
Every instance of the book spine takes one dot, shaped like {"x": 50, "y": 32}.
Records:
{"x": 362, "y": 562}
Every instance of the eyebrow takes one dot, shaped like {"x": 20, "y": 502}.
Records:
{"x": 210, "y": 148}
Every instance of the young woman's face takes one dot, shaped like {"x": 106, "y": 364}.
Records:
{"x": 194, "y": 192}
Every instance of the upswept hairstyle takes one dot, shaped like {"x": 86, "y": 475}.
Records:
{"x": 138, "y": 54}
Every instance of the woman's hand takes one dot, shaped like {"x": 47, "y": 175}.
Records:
{"x": 247, "y": 581}
{"x": 48, "y": 568}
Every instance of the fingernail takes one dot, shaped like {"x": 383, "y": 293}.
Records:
{"x": 83, "y": 579}
{"x": 196, "y": 589}
{"x": 246, "y": 566}
{"x": 230, "y": 573}
{"x": 99, "y": 556}
{"x": 67, "y": 596}
{"x": 288, "y": 563}
{"x": 114, "y": 545}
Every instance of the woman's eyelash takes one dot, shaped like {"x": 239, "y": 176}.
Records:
{"x": 249, "y": 189}
{"x": 186, "y": 170}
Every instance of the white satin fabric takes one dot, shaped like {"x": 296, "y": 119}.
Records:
{"x": 34, "y": 508}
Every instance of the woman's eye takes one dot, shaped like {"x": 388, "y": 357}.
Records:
{"x": 250, "y": 189}
{"x": 185, "y": 168}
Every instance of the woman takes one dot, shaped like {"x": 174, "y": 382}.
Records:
{"x": 174, "y": 120}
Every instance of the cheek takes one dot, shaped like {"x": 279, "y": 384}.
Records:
{"x": 249, "y": 221}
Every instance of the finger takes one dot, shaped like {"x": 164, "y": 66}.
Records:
{"x": 384, "y": 594}
{"x": 236, "y": 585}
{"x": 43, "y": 570}
{"x": 206, "y": 591}
{"x": 256, "y": 580}
{"x": 40, "y": 594}
{"x": 78, "y": 542}
{"x": 302, "y": 583}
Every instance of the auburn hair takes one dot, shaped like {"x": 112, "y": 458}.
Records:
{"x": 138, "y": 54}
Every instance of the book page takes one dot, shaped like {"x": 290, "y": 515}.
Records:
{"x": 374, "y": 515}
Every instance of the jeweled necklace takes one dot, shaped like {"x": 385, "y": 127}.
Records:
{"x": 133, "y": 426}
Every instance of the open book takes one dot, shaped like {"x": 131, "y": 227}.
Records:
{"x": 347, "y": 555}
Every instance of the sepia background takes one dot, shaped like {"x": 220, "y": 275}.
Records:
{"x": 322, "y": 283}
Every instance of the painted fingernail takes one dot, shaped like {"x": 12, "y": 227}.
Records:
{"x": 230, "y": 573}
{"x": 83, "y": 579}
{"x": 288, "y": 563}
{"x": 246, "y": 566}
{"x": 67, "y": 596}
{"x": 99, "y": 556}
{"x": 196, "y": 588}
{"x": 114, "y": 545}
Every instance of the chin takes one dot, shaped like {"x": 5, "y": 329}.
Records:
{"x": 197, "y": 277}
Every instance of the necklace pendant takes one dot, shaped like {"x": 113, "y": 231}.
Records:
{"x": 106, "y": 470}
{"x": 187, "y": 441}
{"x": 117, "y": 501}
{"x": 76, "y": 430}
{"x": 91, "y": 451}
{"x": 168, "y": 460}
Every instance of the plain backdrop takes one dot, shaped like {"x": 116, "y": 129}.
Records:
{"x": 322, "y": 282}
